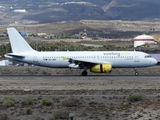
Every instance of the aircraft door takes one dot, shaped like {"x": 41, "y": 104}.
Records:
{"x": 94, "y": 58}
{"x": 35, "y": 59}
{"x": 97, "y": 57}
{"x": 136, "y": 57}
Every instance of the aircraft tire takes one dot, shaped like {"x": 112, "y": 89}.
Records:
{"x": 84, "y": 73}
{"x": 136, "y": 73}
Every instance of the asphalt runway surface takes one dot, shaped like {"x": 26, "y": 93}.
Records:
{"x": 79, "y": 76}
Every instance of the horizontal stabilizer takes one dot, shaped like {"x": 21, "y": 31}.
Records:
{"x": 14, "y": 55}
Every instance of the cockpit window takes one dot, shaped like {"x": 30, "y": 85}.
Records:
{"x": 148, "y": 56}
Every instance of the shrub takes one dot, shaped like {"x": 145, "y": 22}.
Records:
{"x": 135, "y": 97}
{"x": 4, "y": 117}
{"x": 70, "y": 102}
{"x": 27, "y": 101}
{"x": 46, "y": 102}
{"x": 29, "y": 111}
{"x": 8, "y": 101}
{"x": 61, "y": 114}
{"x": 91, "y": 102}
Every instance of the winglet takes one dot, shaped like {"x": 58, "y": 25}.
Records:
{"x": 18, "y": 43}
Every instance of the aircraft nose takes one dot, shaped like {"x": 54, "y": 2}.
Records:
{"x": 154, "y": 61}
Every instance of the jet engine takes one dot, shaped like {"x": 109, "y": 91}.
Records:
{"x": 103, "y": 68}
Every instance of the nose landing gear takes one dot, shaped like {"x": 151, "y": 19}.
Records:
{"x": 136, "y": 73}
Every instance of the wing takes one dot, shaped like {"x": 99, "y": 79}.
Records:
{"x": 86, "y": 63}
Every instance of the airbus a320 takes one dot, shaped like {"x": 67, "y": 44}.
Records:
{"x": 95, "y": 61}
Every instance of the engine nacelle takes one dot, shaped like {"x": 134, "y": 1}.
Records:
{"x": 103, "y": 68}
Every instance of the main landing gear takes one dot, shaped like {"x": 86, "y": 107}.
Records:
{"x": 84, "y": 73}
{"x": 136, "y": 73}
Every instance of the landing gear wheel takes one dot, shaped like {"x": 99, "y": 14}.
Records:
{"x": 136, "y": 73}
{"x": 84, "y": 73}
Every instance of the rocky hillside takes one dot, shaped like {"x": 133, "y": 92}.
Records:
{"x": 133, "y": 9}
{"x": 45, "y": 11}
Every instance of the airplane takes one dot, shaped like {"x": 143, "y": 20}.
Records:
{"x": 95, "y": 61}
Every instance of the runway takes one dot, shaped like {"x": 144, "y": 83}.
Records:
{"x": 79, "y": 77}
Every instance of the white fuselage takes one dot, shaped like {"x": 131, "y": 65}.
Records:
{"x": 118, "y": 59}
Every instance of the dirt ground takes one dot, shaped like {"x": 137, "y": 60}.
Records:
{"x": 100, "y": 97}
